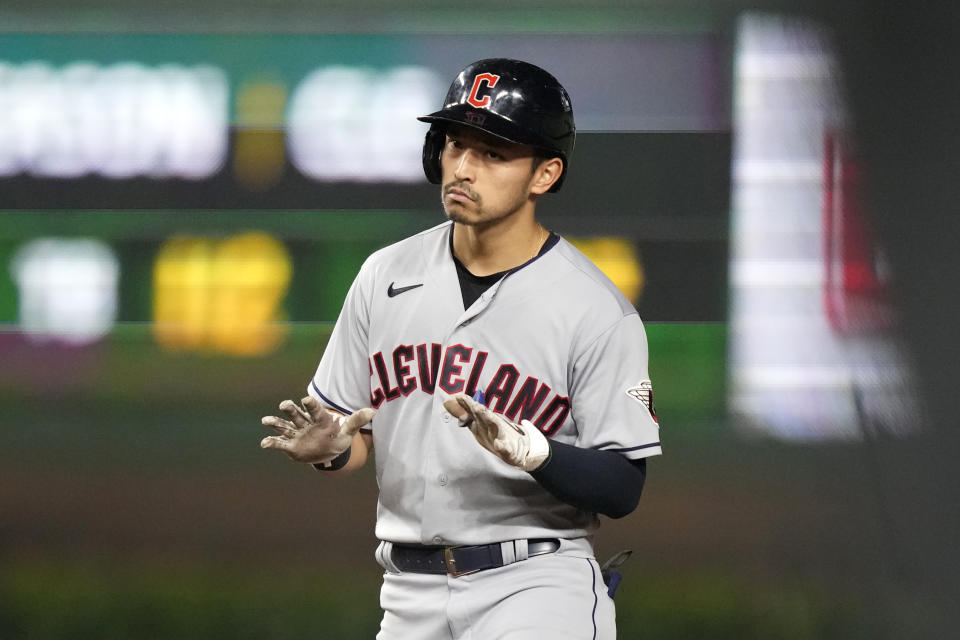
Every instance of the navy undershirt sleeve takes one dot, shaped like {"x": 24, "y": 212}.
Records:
{"x": 593, "y": 480}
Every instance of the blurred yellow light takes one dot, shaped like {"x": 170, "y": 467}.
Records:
{"x": 258, "y": 155}
{"x": 221, "y": 295}
{"x": 181, "y": 277}
{"x": 618, "y": 259}
{"x": 260, "y": 104}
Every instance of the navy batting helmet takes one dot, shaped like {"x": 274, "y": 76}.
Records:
{"x": 510, "y": 99}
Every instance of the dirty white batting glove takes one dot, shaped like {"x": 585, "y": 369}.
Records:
{"x": 312, "y": 433}
{"x": 521, "y": 445}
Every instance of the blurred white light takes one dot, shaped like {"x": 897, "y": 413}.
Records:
{"x": 119, "y": 121}
{"x": 67, "y": 289}
{"x": 795, "y": 372}
{"x": 355, "y": 124}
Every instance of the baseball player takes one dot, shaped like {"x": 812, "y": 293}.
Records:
{"x": 499, "y": 377}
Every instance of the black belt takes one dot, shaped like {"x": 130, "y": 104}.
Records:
{"x": 460, "y": 560}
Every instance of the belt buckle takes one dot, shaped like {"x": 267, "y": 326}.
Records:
{"x": 451, "y": 562}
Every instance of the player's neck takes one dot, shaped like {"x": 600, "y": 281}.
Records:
{"x": 485, "y": 250}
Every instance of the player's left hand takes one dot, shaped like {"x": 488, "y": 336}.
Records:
{"x": 521, "y": 445}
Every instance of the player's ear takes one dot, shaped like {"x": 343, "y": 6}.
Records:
{"x": 547, "y": 173}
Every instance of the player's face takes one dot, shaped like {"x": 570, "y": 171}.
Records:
{"x": 485, "y": 178}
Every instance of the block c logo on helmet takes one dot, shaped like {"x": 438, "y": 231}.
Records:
{"x": 491, "y": 81}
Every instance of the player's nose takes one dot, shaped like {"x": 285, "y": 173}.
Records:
{"x": 466, "y": 164}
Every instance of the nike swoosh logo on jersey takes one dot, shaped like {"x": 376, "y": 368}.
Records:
{"x": 391, "y": 291}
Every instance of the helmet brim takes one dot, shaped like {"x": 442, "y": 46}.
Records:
{"x": 487, "y": 122}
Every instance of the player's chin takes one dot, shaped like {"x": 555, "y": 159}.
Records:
{"x": 459, "y": 214}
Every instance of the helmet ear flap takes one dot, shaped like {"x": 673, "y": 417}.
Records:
{"x": 432, "y": 147}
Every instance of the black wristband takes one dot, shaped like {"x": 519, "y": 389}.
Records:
{"x": 337, "y": 463}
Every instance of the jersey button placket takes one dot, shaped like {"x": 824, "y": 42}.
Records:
{"x": 432, "y": 511}
{"x": 478, "y": 307}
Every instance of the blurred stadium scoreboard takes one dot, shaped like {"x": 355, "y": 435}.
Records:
{"x": 213, "y": 185}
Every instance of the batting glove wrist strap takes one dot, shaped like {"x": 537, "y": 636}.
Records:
{"x": 539, "y": 447}
{"x": 337, "y": 463}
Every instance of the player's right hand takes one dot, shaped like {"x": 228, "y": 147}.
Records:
{"x": 312, "y": 433}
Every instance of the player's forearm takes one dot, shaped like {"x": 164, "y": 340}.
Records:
{"x": 598, "y": 481}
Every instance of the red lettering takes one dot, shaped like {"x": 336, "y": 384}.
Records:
{"x": 558, "y": 404}
{"x": 428, "y": 366}
{"x": 390, "y": 392}
{"x": 491, "y": 81}
{"x": 449, "y": 381}
{"x": 528, "y": 400}
{"x": 475, "y": 373}
{"x": 501, "y": 387}
{"x": 405, "y": 382}
{"x": 376, "y": 395}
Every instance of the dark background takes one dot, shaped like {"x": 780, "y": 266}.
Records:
{"x": 134, "y": 500}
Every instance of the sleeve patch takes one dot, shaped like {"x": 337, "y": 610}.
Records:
{"x": 643, "y": 393}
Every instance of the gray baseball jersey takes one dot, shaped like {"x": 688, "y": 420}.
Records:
{"x": 553, "y": 341}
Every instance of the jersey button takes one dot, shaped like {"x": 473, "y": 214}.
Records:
{"x": 437, "y": 540}
{"x": 446, "y": 417}
{"x": 442, "y": 479}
